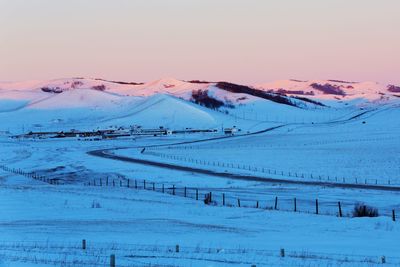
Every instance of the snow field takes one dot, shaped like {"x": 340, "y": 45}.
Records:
{"x": 142, "y": 227}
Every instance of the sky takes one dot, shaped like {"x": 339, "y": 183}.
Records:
{"x": 246, "y": 42}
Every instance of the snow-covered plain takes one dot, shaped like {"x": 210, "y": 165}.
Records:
{"x": 37, "y": 217}
{"x": 353, "y": 139}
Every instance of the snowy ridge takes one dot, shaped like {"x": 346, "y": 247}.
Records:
{"x": 169, "y": 102}
{"x": 345, "y": 90}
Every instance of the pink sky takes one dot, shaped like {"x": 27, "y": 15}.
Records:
{"x": 241, "y": 41}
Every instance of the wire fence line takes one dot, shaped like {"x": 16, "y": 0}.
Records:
{"x": 222, "y": 196}
{"x": 219, "y": 197}
{"x": 282, "y": 173}
{"x": 260, "y": 146}
{"x": 100, "y": 254}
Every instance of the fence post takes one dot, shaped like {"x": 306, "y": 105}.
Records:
{"x": 177, "y": 248}
{"x": 257, "y": 205}
{"x": 154, "y": 187}
{"x": 173, "y": 190}
{"x": 163, "y": 188}
{"x": 83, "y": 244}
{"x": 144, "y": 184}
{"x": 223, "y": 199}
{"x": 112, "y": 260}
{"x": 184, "y": 193}
{"x": 120, "y": 183}
{"x": 282, "y": 253}
{"x": 340, "y": 209}
{"x": 210, "y": 196}
{"x": 135, "y": 184}
{"x": 276, "y": 202}
{"x": 295, "y": 204}
{"x": 197, "y": 194}
{"x": 393, "y": 215}
{"x": 238, "y": 203}
{"x": 128, "y": 183}
{"x": 316, "y": 206}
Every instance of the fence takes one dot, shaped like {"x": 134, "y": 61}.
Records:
{"x": 111, "y": 254}
{"x": 31, "y": 175}
{"x": 281, "y": 173}
{"x": 220, "y": 197}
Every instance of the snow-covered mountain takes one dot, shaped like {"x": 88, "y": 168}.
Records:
{"x": 332, "y": 89}
{"x": 176, "y": 103}
{"x": 317, "y": 89}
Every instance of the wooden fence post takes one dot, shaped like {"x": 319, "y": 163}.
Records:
{"x": 184, "y": 192}
{"x": 197, "y": 194}
{"x": 257, "y": 205}
{"x": 177, "y": 248}
{"x": 173, "y": 190}
{"x": 223, "y": 199}
{"x": 238, "y": 203}
{"x": 282, "y": 253}
{"x": 316, "y": 206}
{"x": 340, "y": 209}
{"x": 276, "y": 203}
{"x": 295, "y": 204}
{"x": 154, "y": 187}
{"x": 135, "y": 184}
{"x": 83, "y": 244}
{"x": 393, "y": 215}
{"x": 112, "y": 260}
{"x": 210, "y": 196}
{"x": 127, "y": 185}
{"x": 163, "y": 188}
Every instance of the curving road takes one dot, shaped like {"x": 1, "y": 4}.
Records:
{"x": 104, "y": 153}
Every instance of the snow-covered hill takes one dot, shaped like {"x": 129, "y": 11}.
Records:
{"x": 332, "y": 89}
{"x": 176, "y": 103}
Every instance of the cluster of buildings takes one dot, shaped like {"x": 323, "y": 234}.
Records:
{"x": 115, "y": 132}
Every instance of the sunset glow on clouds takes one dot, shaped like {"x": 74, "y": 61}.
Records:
{"x": 241, "y": 41}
